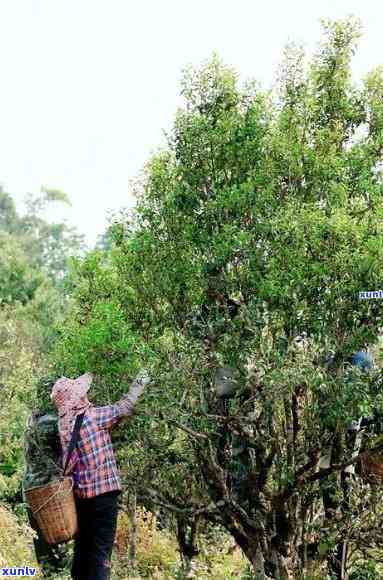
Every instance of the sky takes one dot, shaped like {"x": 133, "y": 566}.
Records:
{"x": 89, "y": 86}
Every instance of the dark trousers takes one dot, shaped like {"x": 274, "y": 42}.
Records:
{"x": 97, "y": 519}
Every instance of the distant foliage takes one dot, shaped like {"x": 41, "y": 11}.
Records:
{"x": 34, "y": 257}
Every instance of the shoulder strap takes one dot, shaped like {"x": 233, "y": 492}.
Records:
{"x": 74, "y": 438}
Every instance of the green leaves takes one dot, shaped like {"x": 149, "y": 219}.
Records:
{"x": 255, "y": 229}
{"x": 106, "y": 344}
{"x": 18, "y": 281}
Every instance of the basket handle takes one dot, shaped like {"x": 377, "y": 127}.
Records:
{"x": 53, "y": 495}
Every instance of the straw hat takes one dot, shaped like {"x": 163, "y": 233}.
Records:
{"x": 67, "y": 392}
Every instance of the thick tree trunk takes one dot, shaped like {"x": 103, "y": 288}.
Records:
{"x": 269, "y": 564}
{"x": 268, "y": 559}
{"x": 187, "y": 535}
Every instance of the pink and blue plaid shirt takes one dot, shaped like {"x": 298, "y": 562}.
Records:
{"x": 93, "y": 464}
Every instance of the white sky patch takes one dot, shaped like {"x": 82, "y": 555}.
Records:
{"x": 88, "y": 86}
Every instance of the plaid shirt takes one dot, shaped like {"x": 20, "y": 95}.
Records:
{"x": 93, "y": 464}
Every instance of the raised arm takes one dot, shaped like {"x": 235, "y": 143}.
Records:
{"x": 109, "y": 415}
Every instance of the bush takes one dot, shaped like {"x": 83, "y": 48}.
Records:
{"x": 15, "y": 541}
{"x": 157, "y": 553}
{"x": 158, "y": 556}
{"x": 366, "y": 571}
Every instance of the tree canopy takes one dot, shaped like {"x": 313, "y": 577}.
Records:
{"x": 236, "y": 275}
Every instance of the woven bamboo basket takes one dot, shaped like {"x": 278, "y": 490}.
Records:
{"x": 54, "y": 508}
{"x": 372, "y": 467}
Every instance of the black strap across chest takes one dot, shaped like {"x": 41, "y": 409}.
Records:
{"x": 74, "y": 438}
